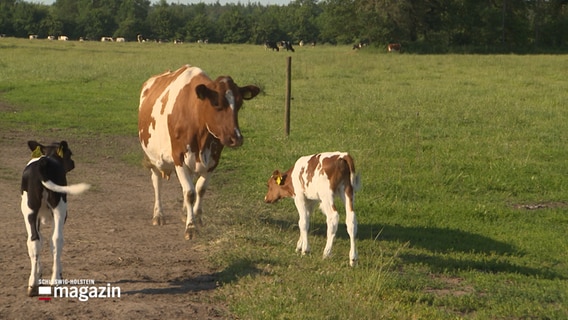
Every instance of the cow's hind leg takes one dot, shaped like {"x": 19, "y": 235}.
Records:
{"x": 158, "y": 217}
{"x": 189, "y": 196}
{"x": 34, "y": 245}
{"x": 59, "y": 215}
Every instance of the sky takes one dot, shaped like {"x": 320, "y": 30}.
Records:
{"x": 264, "y": 2}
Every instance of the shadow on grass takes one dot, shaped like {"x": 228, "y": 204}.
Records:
{"x": 474, "y": 251}
{"x": 482, "y": 253}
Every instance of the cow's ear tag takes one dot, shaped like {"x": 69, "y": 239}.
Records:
{"x": 37, "y": 152}
{"x": 60, "y": 152}
{"x": 278, "y": 179}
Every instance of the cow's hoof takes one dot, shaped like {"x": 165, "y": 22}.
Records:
{"x": 158, "y": 221}
{"x": 197, "y": 220}
{"x": 189, "y": 233}
{"x": 353, "y": 263}
{"x": 33, "y": 291}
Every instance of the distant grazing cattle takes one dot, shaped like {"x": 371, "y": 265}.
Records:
{"x": 394, "y": 47}
{"x": 271, "y": 45}
{"x": 106, "y": 39}
{"x": 32, "y": 36}
{"x": 287, "y": 45}
{"x": 50, "y": 37}
{"x": 62, "y": 38}
{"x": 139, "y": 38}
{"x": 318, "y": 179}
{"x": 44, "y": 192}
{"x": 178, "y": 41}
{"x": 359, "y": 45}
{"x": 185, "y": 120}
{"x": 120, "y": 39}
{"x": 303, "y": 43}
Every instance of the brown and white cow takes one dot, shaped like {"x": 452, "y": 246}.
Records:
{"x": 314, "y": 179}
{"x": 394, "y": 47}
{"x": 185, "y": 120}
{"x": 44, "y": 198}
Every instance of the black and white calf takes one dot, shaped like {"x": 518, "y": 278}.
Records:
{"x": 44, "y": 198}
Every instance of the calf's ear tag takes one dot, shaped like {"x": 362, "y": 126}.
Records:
{"x": 278, "y": 180}
{"x": 37, "y": 152}
{"x": 60, "y": 152}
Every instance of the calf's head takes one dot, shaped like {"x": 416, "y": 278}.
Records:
{"x": 57, "y": 150}
{"x": 279, "y": 186}
{"x": 225, "y": 99}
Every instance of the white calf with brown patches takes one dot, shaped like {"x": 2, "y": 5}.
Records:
{"x": 314, "y": 179}
{"x": 185, "y": 120}
{"x": 44, "y": 198}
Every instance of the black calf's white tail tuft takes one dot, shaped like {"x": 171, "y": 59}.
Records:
{"x": 71, "y": 189}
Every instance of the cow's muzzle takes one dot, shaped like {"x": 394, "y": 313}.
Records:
{"x": 235, "y": 140}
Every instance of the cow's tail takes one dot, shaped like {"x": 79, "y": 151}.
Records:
{"x": 354, "y": 177}
{"x": 71, "y": 189}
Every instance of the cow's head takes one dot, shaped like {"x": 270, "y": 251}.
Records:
{"x": 225, "y": 99}
{"x": 279, "y": 186}
{"x": 57, "y": 150}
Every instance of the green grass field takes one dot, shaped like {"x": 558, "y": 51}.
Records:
{"x": 464, "y": 207}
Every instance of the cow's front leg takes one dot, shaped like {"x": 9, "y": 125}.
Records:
{"x": 200, "y": 188}
{"x": 158, "y": 217}
{"x": 189, "y": 196}
{"x": 59, "y": 215}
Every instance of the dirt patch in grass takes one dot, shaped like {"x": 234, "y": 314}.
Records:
{"x": 451, "y": 286}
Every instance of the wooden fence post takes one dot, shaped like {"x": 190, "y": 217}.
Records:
{"x": 288, "y": 91}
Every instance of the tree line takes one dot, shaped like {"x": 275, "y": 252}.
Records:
{"x": 420, "y": 26}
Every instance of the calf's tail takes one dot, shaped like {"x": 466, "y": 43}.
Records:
{"x": 354, "y": 177}
{"x": 355, "y": 181}
{"x": 70, "y": 189}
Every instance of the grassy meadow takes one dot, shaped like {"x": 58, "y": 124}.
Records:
{"x": 463, "y": 211}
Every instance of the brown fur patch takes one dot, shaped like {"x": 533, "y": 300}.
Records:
{"x": 150, "y": 95}
{"x": 313, "y": 163}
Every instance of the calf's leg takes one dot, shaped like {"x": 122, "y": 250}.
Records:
{"x": 304, "y": 210}
{"x": 328, "y": 208}
{"x": 351, "y": 223}
{"x": 59, "y": 215}
{"x": 33, "y": 244}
